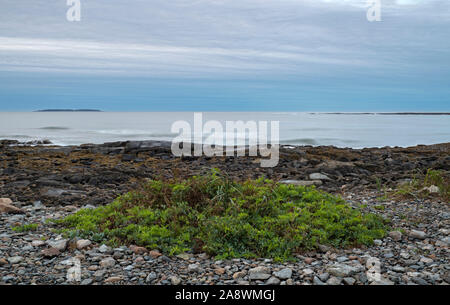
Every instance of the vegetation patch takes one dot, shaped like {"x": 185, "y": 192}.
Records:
{"x": 227, "y": 219}
{"x": 25, "y": 227}
{"x": 434, "y": 183}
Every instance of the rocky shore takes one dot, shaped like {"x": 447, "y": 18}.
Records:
{"x": 43, "y": 182}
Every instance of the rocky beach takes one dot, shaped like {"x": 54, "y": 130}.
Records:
{"x": 40, "y": 181}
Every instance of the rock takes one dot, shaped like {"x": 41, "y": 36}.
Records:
{"x": 433, "y": 189}
{"x": 377, "y": 242}
{"x": 193, "y": 267}
{"x": 107, "y": 262}
{"x": 50, "y": 252}
{"x": 342, "y": 270}
{"x": 302, "y": 182}
{"x": 349, "y": 281}
{"x": 175, "y": 280}
{"x": 3, "y": 262}
{"x": 334, "y": 281}
{"x": 15, "y": 259}
{"x": 308, "y": 272}
{"x": 61, "y": 244}
{"x": 150, "y": 277}
{"x": 6, "y": 207}
{"x": 317, "y": 281}
{"x": 83, "y": 243}
{"x": 283, "y": 274}
{"x": 395, "y": 235}
{"x": 273, "y": 281}
{"x": 308, "y": 260}
{"x": 113, "y": 279}
{"x": 104, "y": 249}
{"x": 239, "y": 274}
{"x": 318, "y": 176}
{"x": 417, "y": 234}
{"x": 154, "y": 253}
{"x": 219, "y": 271}
{"x": 259, "y": 273}
{"x": 37, "y": 243}
{"x": 86, "y": 282}
{"x": 138, "y": 250}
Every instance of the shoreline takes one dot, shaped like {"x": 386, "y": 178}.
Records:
{"x": 48, "y": 182}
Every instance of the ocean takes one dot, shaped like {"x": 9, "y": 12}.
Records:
{"x": 296, "y": 128}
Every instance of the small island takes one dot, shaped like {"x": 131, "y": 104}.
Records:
{"x": 68, "y": 110}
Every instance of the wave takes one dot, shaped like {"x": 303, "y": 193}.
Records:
{"x": 54, "y": 128}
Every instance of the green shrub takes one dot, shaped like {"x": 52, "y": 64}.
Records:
{"x": 255, "y": 218}
{"x": 25, "y": 227}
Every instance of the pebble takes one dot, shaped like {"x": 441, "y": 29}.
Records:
{"x": 283, "y": 274}
{"x": 83, "y": 243}
{"x": 107, "y": 262}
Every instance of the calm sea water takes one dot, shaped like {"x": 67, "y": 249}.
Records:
{"x": 342, "y": 130}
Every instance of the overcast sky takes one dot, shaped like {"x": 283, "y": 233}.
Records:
{"x": 231, "y": 55}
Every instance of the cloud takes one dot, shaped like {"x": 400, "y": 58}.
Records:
{"x": 224, "y": 38}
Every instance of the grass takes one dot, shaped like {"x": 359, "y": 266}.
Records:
{"x": 227, "y": 219}
{"x": 417, "y": 187}
{"x": 25, "y": 228}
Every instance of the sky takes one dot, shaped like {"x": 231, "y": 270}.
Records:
{"x": 225, "y": 55}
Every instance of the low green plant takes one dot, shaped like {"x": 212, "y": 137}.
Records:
{"x": 25, "y": 227}
{"x": 228, "y": 219}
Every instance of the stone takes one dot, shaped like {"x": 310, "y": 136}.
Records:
{"x": 138, "y": 250}
{"x": 308, "y": 260}
{"x": 113, "y": 279}
{"x": 219, "y": 271}
{"x": 6, "y": 207}
{"x": 3, "y": 262}
{"x": 273, "y": 281}
{"x": 104, "y": 249}
{"x": 318, "y": 176}
{"x": 154, "y": 253}
{"x": 317, "y": 281}
{"x": 417, "y": 234}
{"x": 193, "y": 267}
{"x": 50, "y": 252}
{"x": 107, "y": 262}
{"x": 239, "y": 274}
{"x": 349, "y": 281}
{"x": 175, "y": 280}
{"x": 83, "y": 243}
{"x": 61, "y": 244}
{"x": 308, "y": 272}
{"x": 37, "y": 243}
{"x": 259, "y": 273}
{"x": 342, "y": 270}
{"x": 283, "y": 274}
{"x": 15, "y": 259}
{"x": 302, "y": 182}
{"x": 395, "y": 235}
{"x": 334, "y": 281}
{"x": 86, "y": 282}
{"x": 150, "y": 277}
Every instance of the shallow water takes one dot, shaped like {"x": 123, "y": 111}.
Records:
{"x": 296, "y": 128}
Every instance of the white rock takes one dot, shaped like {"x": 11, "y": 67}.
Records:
{"x": 318, "y": 176}
{"x": 37, "y": 243}
{"x": 283, "y": 274}
{"x": 107, "y": 262}
{"x": 15, "y": 259}
{"x": 417, "y": 234}
{"x": 61, "y": 244}
{"x": 83, "y": 243}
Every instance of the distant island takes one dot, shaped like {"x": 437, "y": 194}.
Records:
{"x": 68, "y": 110}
